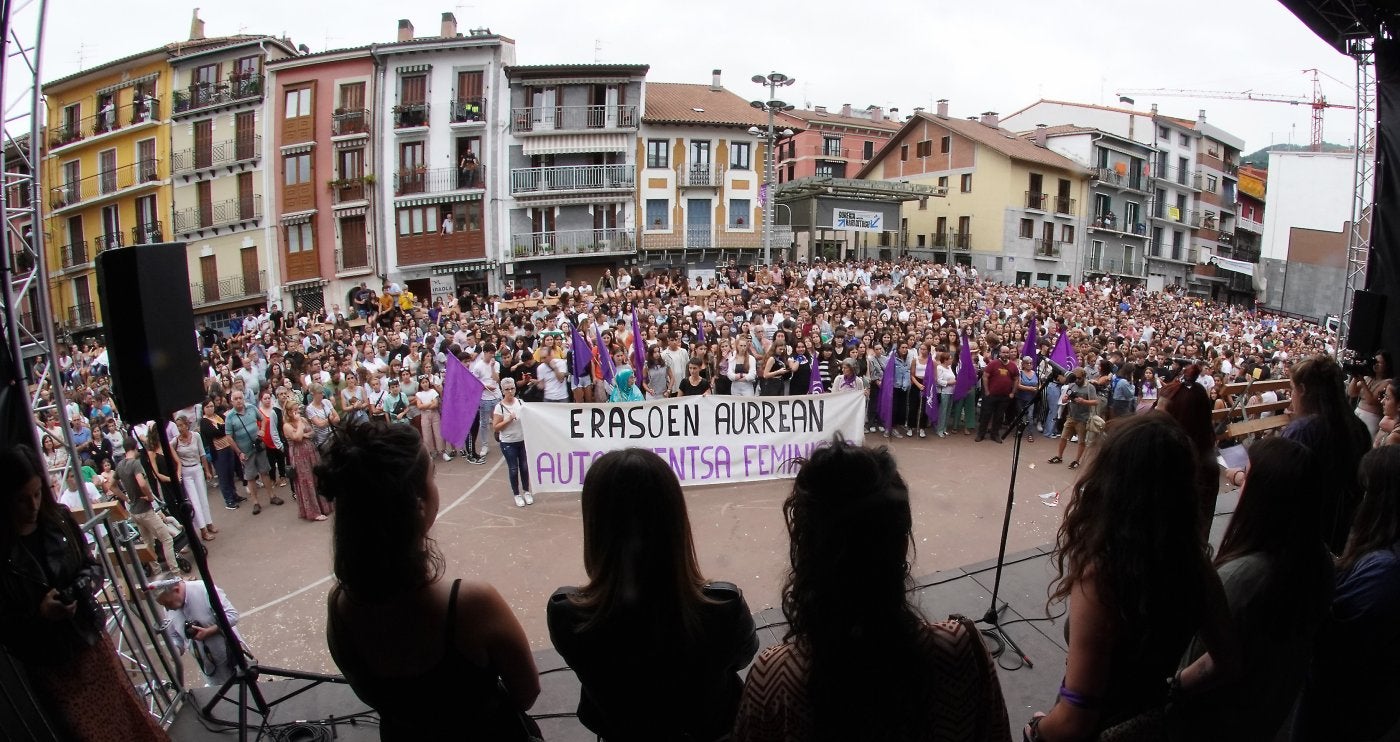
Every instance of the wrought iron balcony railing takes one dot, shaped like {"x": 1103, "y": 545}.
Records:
{"x": 349, "y": 121}
{"x": 227, "y": 152}
{"x": 236, "y": 87}
{"x": 147, "y": 234}
{"x": 468, "y": 110}
{"x": 541, "y": 180}
{"x": 104, "y": 183}
{"x": 228, "y": 288}
{"x": 219, "y": 214}
{"x": 572, "y": 242}
{"x": 572, "y": 118}
{"x": 438, "y": 180}
{"x": 1037, "y": 201}
{"x": 411, "y": 115}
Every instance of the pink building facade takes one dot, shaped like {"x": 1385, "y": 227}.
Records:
{"x": 832, "y": 144}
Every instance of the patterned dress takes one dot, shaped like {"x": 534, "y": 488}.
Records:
{"x": 302, "y": 457}
{"x": 964, "y": 700}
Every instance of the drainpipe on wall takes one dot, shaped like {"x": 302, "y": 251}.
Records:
{"x": 381, "y": 182}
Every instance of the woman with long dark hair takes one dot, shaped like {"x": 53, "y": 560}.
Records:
{"x": 410, "y": 643}
{"x": 655, "y": 645}
{"x": 1131, "y": 562}
{"x": 1187, "y": 402}
{"x": 1352, "y": 686}
{"x": 49, "y": 618}
{"x": 1278, "y": 579}
{"x": 1324, "y": 422}
{"x": 859, "y": 661}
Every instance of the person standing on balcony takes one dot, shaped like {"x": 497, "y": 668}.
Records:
{"x": 466, "y": 170}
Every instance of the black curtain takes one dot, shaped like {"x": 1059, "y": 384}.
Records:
{"x": 1383, "y": 274}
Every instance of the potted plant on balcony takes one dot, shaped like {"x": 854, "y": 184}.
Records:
{"x": 367, "y": 179}
{"x": 336, "y": 184}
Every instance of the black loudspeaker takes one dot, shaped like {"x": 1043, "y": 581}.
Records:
{"x": 149, "y": 319}
{"x": 1367, "y": 316}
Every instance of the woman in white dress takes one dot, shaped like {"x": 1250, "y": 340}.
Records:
{"x": 191, "y": 467}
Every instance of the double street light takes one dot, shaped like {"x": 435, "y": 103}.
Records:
{"x": 773, "y": 80}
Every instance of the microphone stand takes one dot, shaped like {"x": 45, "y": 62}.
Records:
{"x": 1017, "y": 426}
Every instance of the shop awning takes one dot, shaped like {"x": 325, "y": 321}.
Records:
{"x": 430, "y": 200}
{"x": 1236, "y": 266}
{"x": 574, "y": 143}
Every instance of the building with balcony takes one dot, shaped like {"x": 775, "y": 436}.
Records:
{"x": 572, "y": 158}
{"x": 322, "y": 220}
{"x": 1013, "y": 206}
{"x": 440, "y": 117}
{"x": 831, "y": 144}
{"x": 1120, "y": 192}
{"x": 217, "y": 163}
{"x": 701, "y": 171}
{"x": 106, "y": 173}
{"x": 1219, "y": 272}
{"x": 1183, "y": 226}
{"x": 1249, "y": 212}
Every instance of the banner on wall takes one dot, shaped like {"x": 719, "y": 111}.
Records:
{"x": 857, "y": 221}
{"x": 706, "y": 440}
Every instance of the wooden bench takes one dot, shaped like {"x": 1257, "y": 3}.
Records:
{"x": 1253, "y": 423}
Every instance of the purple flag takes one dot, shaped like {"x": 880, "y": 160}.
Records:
{"x": 700, "y": 331}
{"x": 931, "y": 387}
{"x": 461, "y": 398}
{"x": 1029, "y": 348}
{"x": 583, "y": 354}
{"x": 639, "y": 345}
{"x": 605, "y": 364}
{"x": 884, "y": 406}
{"x": 816, "y": 386}
{"x": 1063, "y": 353}
{"x": 967, "y": 372}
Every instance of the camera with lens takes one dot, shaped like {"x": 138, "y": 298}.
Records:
{"x": 80, "y": 586}
{"x": 1360, "y": 367}
{"x": 191, "y": 627}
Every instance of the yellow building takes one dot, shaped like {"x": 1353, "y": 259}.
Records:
{"x": 1014, "y": 208}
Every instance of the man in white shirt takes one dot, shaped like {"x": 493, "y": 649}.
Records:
{"x": 676, "y": 359}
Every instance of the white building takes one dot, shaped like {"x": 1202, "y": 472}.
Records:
{"x": 1303, "y": 254}
{"x": 441, "y": 118}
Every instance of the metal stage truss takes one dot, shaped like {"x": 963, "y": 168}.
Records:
{"x": 32, "y": 337}
{"x": 1363, "y": 187}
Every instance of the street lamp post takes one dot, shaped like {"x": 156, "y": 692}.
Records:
{"x": 773, "y": 80}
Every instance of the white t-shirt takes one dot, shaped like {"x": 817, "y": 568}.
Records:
{"x": 426, "y": 397}
{"x": 554, "y": 387}
{"x": 512, "y": 432}
{"x": 486, "y": 371}
{"x": 69, "y": 498}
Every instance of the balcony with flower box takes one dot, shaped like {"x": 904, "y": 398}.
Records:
{"x": 238, "y": 87}
{"x": 134, "y": 115}
{"x": 411, "y": 116}
{"x": 351, "y": 190}
{"x": 346, "y": 122}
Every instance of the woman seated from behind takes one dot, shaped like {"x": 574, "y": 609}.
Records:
{"x": 859, "y": 661}
{"x": 656, "y": 647}
{"x": 1352, "y": 686}
{"x": 436, "y": 659}
{"x": 1278, "y": 579}
{"x": 1133, "y": 564}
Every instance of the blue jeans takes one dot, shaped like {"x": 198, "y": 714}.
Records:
{"x": 479, "y": 437}
{"x": 519, "y": 473}
{"x": 224, "y": 463}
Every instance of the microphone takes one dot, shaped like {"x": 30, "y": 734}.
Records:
{"x": 161, "y": 584}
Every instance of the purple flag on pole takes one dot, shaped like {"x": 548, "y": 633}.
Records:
{"x": 639, "y": 345}
{"x": 605, "y": 364}
{"x": 583, "y": 354}
{"x": 931, "y": 400}
{"x": 884, "y": 406}
{"x": 1029, "y": 348}
{"x": 700, "y": 331}
{"x": 1063, "y": 353}
{"x": 967, "y": 372}
{"x": 461, "y": 398}
{"x": 816, "y": 386}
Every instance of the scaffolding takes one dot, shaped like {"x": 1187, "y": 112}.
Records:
{"x": 132, "y": 618}
{"x": 1363, "y": 185}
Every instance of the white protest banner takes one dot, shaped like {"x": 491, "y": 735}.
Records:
{"x": 706, "y": 440}
{"x": 857, "y": 221}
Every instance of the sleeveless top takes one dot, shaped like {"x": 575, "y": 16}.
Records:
{"x": 415, "y": 707}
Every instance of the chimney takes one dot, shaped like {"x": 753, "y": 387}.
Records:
{"x": 1154, "y": 109}
{"x": 714, "y": 81}
{"x": 196, "y": 27}
{"x": 989, "y": 118}
{"x": 942, "y": 108}
{"x": 1040, "y": 135}
{"x": 918, "y": 110}
{"x": 449, "y": 26}
{"x": 876, "y": 113}
{"x": 894, "y": 115}
{"x": 846, "y": 109}
{"x": 819, "y": 109}
{"x": 1201, "y": 117}
{"x": 405, "y": 30}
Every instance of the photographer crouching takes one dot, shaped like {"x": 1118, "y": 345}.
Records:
{"x": 190, "y": 623}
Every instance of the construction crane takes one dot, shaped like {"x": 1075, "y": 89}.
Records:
{"x": 1318, "y": 102}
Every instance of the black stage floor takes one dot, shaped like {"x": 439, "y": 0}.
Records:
{"x": 965, "y": 591}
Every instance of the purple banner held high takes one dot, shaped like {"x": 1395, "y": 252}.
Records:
{"x": 605, "y": 364}
{"x": 700, "y": 331}
{"x": 816, "y": 386}
{"x": 967, "y": 372}
{"x": 583, "y": 354}
{"x": 461, "y": 399}
{"x": 1063, "y": 353}
{"x": 884, "y": 406}
{"x": 639, "y": 346}
{"x": 1029, "y": 347}
{"x": 931, "y": 387}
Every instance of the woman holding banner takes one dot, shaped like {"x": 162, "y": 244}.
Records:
{"x": 655, "y": 645}
{"x": 505, "y": 421}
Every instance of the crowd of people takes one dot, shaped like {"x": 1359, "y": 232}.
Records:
{"x": 322, "y": 403}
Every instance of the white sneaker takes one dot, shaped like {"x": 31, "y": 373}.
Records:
{"x": 1074, "y": 439}
{"x": 529, "y": 498}
{"x": 519, "y": 501}
{"x": 446, "y": 456}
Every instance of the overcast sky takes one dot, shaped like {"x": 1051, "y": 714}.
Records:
{"x": 982, "y": 56}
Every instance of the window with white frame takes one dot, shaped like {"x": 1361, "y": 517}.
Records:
{"x": 298, "y": 102}
{"x": 300, "y": 238}
{"x": 416, "y": 220}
